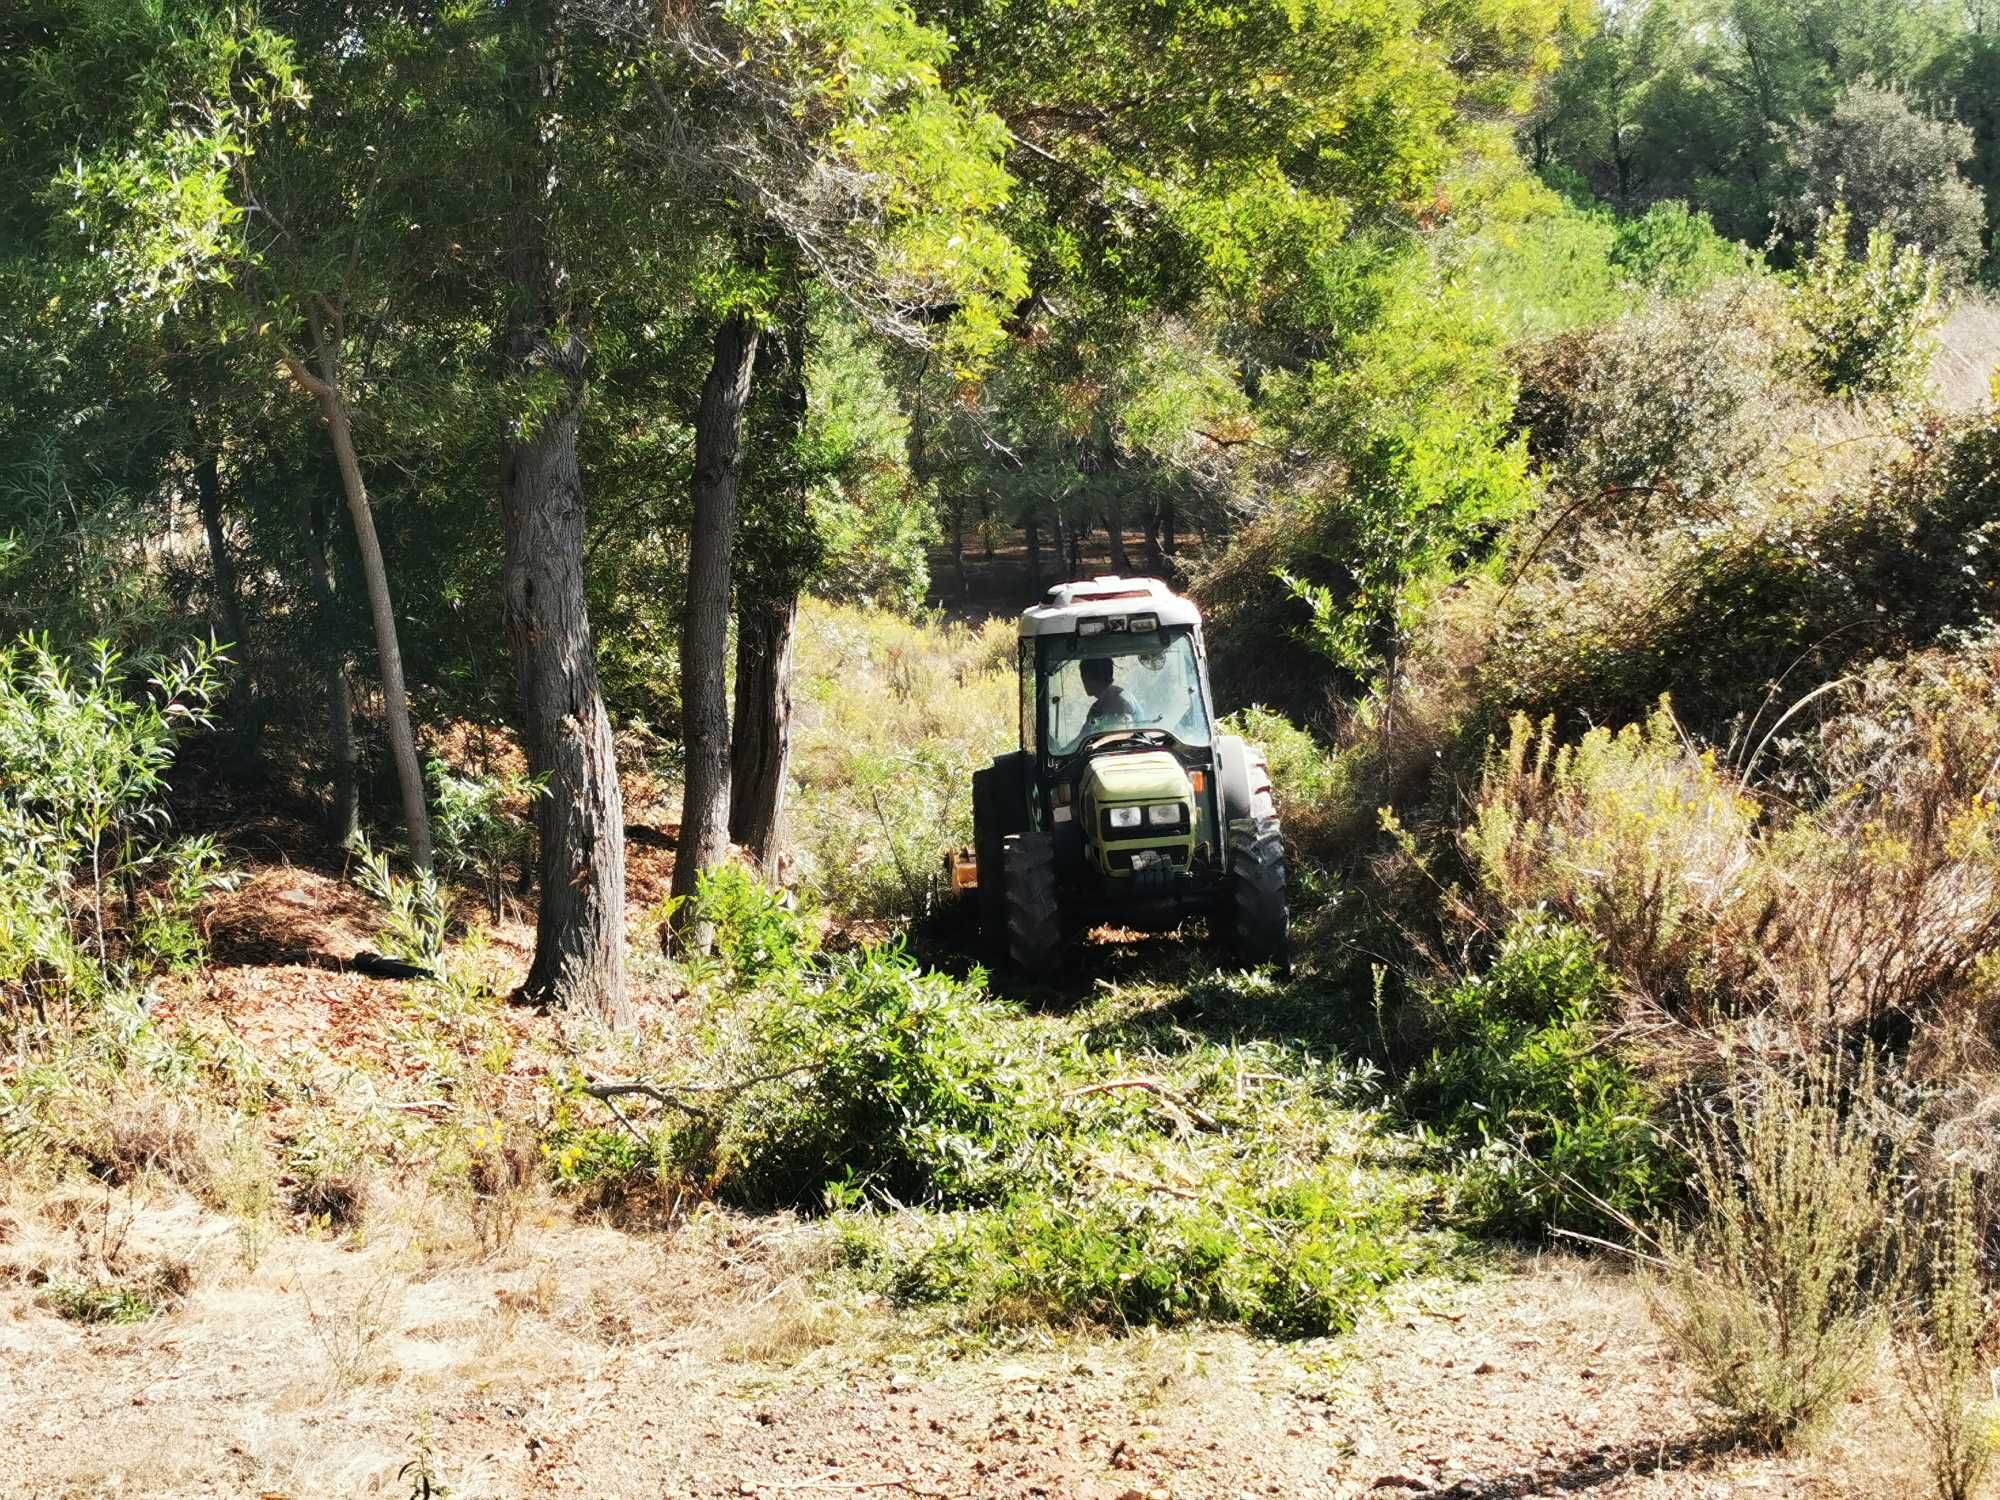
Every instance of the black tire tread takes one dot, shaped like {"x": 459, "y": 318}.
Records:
{"x": 1034, "y": 919}
{"x": 1259, "y": 922}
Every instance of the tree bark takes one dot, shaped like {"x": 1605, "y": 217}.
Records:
{"x": 244, "y": 712}
{"x": 718, "y": 464}
{"x": 1156, "y": 560}
{"x": 760, "y": 751}
{"x": 1169, "y": 526}
{"x": 324, "y": 386}
{"x": 579, "y": 961}
{"x": 1114, "y": 531}
{"x": 344, "y": 808}
{"x": 767, "y": 614}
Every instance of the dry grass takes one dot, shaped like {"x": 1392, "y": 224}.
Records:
{"x": 1871, "y": 902}
{"x": 894, "y": 716}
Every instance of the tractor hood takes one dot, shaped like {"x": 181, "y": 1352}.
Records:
{"x": 1149, "y": 776}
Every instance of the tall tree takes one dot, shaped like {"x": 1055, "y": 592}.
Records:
{"x": 580, "y": 820}
{"x": 205, "y": 178}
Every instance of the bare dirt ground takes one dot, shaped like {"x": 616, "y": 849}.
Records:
{"x": 582, "y": 1361}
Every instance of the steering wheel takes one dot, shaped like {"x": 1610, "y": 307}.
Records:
{"x": 1159, "y": 737}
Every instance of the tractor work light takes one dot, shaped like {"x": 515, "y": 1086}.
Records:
{"x": 1163, "y": 813}
{"x": 1143, "y": 624}
{"x": 1123, "y": 817}
{"x": 1090, "y": 627}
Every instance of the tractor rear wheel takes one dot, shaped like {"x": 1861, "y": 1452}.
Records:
{"x": 1258, "y": 921}
{"x": 1034, "y": 921}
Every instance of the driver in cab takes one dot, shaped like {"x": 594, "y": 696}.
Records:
{"x": 1111, "y": 707}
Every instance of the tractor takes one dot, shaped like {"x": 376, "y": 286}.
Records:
{"x": 1123, "y": 806}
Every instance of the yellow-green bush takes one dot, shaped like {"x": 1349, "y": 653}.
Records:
{"x": 1635, "y": 836}
{"x": 894, "y": 716}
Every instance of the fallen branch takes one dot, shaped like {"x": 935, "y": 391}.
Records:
{"x": 610, "y": 1092}
{"x": 1120, "y": 1175}
{"x": 1173, "y": 1101}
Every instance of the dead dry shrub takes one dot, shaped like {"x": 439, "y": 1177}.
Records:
{"x": 1779, "y": 1291}
{"x": 1868, "y": 902}
{"x": 140, "y": 1129}
{"x": 1890, "y": 887}
{"x": 1946, "y": 1357}
{"x": 1638, "y": 837}
{"x": 503, "y": 1164}
{"x": 1637, "y": 418}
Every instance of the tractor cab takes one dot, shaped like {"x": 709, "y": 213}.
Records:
{"x": 1123, "y": 804}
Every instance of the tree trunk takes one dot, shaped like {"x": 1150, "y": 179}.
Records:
{"x": 1033, "y": 529}
{"x": 760, "y": 751}
{"x": 1114, "y": 531}
{"x": 579, "y": 959}
{"x": 767, "y": 613}
{"x": 718, "y": 463}
{"x": 244, "y": 712}
{"x": 325, "y": 388}
{"x": 958, "y": 542}
{"x": 344, "y": 808}
{"x": 1169, "y": 525}
{"x": 1156, "y": 560}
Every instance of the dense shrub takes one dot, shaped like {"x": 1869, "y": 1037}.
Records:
{"x": 1634, "y": 418}
{"x": 1797, "y": 589}
{"x": 95, "y": 895}
{"x": 1296, "y": 1260}
{"x": 883, "y": 1081}
{"x": 1864, "y": 324}
{"x": 1522, "y": 1077}
{"x": 762, "y": 935}
{"x": 1896, "y": 169}
{"x": 1673, "y": 249}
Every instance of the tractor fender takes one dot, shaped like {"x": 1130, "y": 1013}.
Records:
{"x": 1010, "y": 776}
{"x": 1244, "y": 777}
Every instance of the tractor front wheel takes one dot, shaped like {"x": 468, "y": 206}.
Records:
{"x": 1034, "y": 922}
{"x": 1258, "y": 921}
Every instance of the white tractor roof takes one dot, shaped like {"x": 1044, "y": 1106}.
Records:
{"x": 1070, "y": 602}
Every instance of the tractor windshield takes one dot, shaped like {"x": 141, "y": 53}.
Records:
{"x": 1098, "y": 683}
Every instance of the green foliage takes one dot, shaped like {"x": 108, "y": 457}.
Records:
{"x": 874, "y": 523}
{"x": 1520, "y": 1075}
{"x": 1674, "y": 249}
{"x": 1865, "y": 326}
{"x": 1778, "y": 1293}
{"x": 762, "y": 935}
{"x": 478, "y": 828}
{"x": 101, "y": 1302}
{"x": 416, "y": 909}
{"x": 1301, "y": 1259}
{"x": 881, "y": 1081}
{"x": 84, "y": 753}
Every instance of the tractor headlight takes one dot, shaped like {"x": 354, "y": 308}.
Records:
{"x": 1163, "y": 814}
{"x": 1123, "y": 817}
